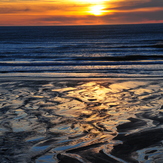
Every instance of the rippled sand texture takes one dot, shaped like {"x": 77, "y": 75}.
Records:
{"x": 81, "y": 121}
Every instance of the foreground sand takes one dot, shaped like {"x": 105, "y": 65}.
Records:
{"x": 109, "y": 121}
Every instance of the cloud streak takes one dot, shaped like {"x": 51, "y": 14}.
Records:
{"x": 130, "y": 4}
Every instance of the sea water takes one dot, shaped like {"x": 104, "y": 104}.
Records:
{"x": 82, "y": 51}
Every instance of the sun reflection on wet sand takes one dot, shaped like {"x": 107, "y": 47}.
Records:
{"x": 84, "y": 121}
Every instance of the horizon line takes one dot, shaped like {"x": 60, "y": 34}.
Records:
{"x": 77, "y": 25}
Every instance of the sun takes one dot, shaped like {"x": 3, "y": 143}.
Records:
{"x": 96, "y": 10}
{"x": 92, "y": 1}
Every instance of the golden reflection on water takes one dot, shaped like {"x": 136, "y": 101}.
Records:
{"x": 81, "y": 113}
{"x": 99, "y": 107}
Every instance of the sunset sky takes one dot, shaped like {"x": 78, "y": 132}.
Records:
{"x": 79, "y": 12}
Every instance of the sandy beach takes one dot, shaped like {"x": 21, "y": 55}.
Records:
{"x": 77, "y": 121}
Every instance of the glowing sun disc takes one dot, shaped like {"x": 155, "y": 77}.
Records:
{"x": 92, "y": 1}
{"x": 96, "y": 10}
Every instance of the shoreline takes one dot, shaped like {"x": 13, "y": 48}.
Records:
{"x": 80, "y": 78}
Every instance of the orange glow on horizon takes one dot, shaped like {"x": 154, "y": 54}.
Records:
{"x": 77, "y": 12}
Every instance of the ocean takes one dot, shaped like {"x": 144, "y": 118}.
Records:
{"x": 82, "y": 51}
{"x": 81, "y": 94}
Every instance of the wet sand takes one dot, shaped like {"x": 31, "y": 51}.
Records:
{"x": 68, "y": 121}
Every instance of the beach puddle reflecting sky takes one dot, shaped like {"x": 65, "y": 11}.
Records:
{"x": 81, "y": 121}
